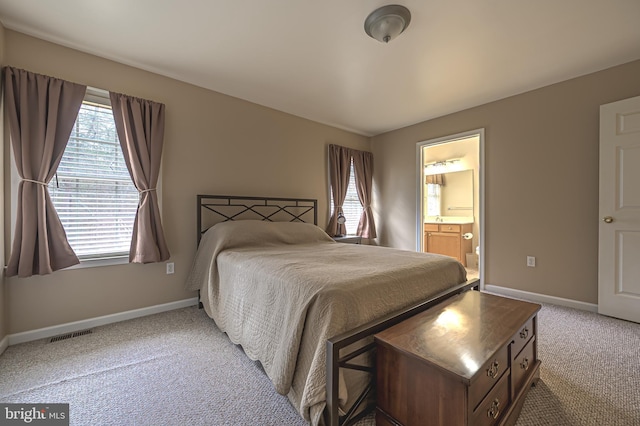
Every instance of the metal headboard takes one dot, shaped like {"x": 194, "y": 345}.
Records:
{"x": 213, "y": 209}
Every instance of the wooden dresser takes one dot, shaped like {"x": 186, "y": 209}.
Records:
{"x": 467, "y": 361}
{"x": 446, "y": 238}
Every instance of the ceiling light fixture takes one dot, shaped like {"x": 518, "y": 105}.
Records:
{"x": 387, "y": 22}
{"x": 443, "y": 163}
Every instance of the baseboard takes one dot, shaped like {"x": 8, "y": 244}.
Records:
{"x": 43, "y": 333}
{"x": 4, "y": 344}
{"x": 541, "y": 298}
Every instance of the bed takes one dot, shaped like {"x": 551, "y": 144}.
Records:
{"x": 305, "y": 306}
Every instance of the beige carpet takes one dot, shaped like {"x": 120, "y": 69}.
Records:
{"x": 590, "y": 374}
{"x": 176, "y": 368}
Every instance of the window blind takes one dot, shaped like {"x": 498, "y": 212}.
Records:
{"x": 92, "y": 190}
{"x": 351, "y": 206}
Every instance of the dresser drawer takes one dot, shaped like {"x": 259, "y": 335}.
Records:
{"x": 493, "y": 405}
{"x": 431, "y": 227}
{"x": 450, "y": 228}
{"x": 522, "y": 337}
{"x": 487, "y": 376}
{"x": 521, "y": 366}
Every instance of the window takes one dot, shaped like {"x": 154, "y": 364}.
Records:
{"x": 351, "y": 206}
{"x": 92, "y": 190}
{"x": 433, "y": 199}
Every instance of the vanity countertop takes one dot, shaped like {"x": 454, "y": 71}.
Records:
{"x": 449, "y": 219}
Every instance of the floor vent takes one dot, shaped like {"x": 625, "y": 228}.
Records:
{"x": 70, "y": 335}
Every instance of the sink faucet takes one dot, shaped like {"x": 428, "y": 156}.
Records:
{"x": 438, "y": 218}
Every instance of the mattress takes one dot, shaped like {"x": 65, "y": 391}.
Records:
{"x": 280, "y": 290}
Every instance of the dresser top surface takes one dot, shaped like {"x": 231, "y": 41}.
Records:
{"x": 461, "y": 333}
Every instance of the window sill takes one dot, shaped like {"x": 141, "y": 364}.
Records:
{"x": 350, "y": 239}
{"x": 101, "y": 261}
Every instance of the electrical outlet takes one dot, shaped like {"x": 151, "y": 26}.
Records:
{"x": 531, "y": 261}
{"x": 170, "y": 268}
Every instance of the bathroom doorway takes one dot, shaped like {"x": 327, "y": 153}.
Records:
{"x": 451, "y": 198}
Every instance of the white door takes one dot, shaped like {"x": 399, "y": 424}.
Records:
{"x": 619, "y": 231}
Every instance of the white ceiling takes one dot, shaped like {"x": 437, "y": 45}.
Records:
{"x": 312, "y": 58}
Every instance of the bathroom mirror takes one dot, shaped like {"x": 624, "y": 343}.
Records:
{"x": 456, "y": 194}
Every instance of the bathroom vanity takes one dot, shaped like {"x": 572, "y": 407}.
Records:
{"x": 448, "y": 239}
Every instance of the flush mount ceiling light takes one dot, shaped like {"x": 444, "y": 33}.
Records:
{"x": 388, "y": 22}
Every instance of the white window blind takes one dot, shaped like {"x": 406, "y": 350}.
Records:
{"x": 92, "y": 190}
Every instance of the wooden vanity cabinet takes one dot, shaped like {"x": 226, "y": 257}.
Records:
{"x": 446, "y": 238}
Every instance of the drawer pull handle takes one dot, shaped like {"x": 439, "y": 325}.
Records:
{"x": 525, "y": 363}
{"x": 524, "y": 333}
{"x": 492, "y": 371}
{"x": 494, "y": 410}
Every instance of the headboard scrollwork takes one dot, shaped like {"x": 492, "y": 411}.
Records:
{"x": 213, "y": 209}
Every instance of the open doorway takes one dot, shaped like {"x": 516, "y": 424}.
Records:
{"x": 450, "y": 199}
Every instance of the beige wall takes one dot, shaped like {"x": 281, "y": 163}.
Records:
{"x": 541, "y": 171}
{"x": 214, "y": 144}
{"x": 4, "y": 314}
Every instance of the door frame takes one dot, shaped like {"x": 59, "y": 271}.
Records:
{"x": 481, "y": 190}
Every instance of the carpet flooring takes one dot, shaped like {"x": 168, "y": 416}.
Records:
{"x": 177, "y": 368}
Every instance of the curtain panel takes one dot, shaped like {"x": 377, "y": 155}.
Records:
{"x": 437, "y": 179}
{"x": 363, "y": 168}
{"x": 41, "y": 111}
{"x": 339, "y": 171}
{"x": 140, "y": 127}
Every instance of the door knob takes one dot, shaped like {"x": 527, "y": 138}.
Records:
{"x": 607, "y": 219}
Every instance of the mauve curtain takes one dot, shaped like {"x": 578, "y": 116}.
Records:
{"x": 42, "y": 111}
{"x": 339, "y": 170}
{"x": 140, "y": 126}
{"x": 363, "y": 168}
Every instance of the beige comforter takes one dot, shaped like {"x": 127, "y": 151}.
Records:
{"x": 282, "y": 289}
